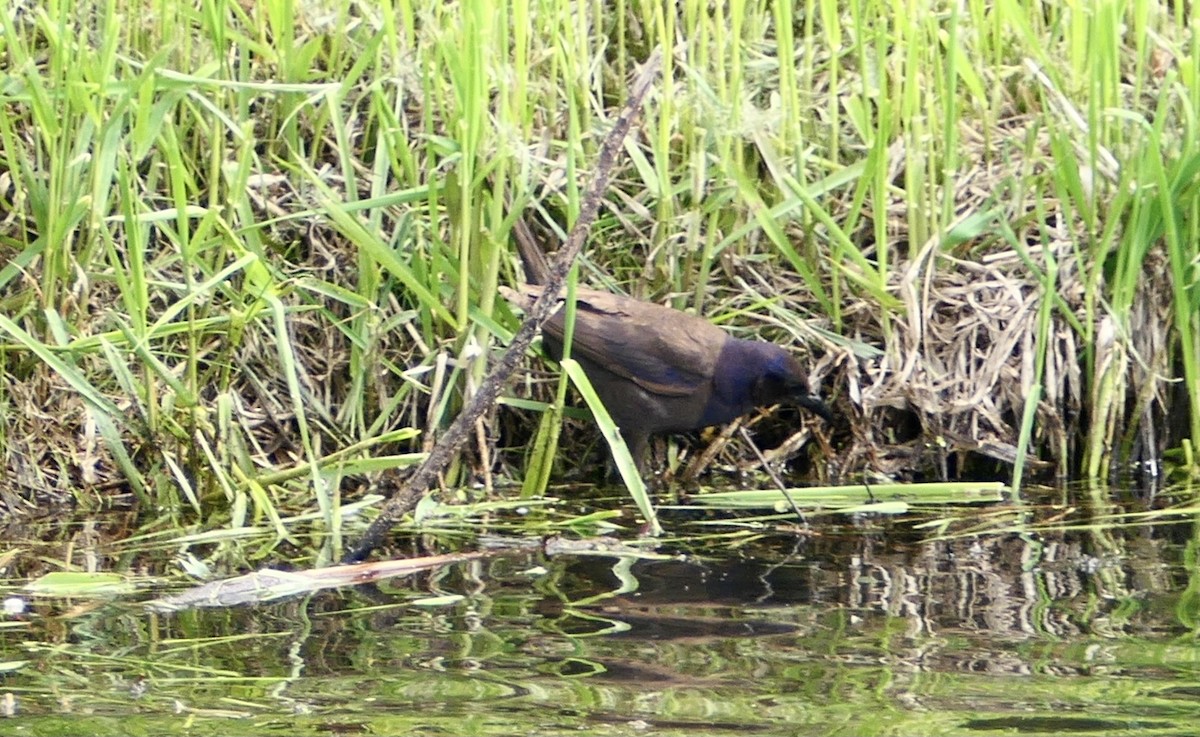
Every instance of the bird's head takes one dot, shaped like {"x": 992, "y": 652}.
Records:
{"x": 783, "y": 379}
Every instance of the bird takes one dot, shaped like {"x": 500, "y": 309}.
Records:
{"x": 659, "y": 370}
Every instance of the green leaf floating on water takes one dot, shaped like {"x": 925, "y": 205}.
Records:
{"x": 76, "y": 583}
{"x": 879, "y": 498}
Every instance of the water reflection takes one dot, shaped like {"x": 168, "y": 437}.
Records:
{"x": 858, "y": 629}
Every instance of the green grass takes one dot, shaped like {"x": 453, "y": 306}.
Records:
{"x": 246, "y": 247}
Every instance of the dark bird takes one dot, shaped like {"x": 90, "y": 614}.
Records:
{"x": 659, "y": 370}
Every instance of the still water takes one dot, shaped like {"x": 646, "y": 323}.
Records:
{"x": 1061, "y": 621}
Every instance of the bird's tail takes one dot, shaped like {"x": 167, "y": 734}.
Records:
{"x": 537, "y": 269}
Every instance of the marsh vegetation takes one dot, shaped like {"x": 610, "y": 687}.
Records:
{"x": 250, "y": 260}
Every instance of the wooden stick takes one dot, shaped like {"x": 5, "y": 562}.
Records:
{"x": 405, "y": 498}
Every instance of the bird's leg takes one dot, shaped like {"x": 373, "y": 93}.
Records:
{"x": 639, "y": 447}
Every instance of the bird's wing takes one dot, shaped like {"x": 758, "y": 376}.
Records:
{"x": 664, "y": 351}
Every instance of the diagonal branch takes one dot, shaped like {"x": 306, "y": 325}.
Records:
{"x": 456, "y": 435}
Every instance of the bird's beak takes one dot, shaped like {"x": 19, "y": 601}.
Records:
{"x": 816, "y": 406}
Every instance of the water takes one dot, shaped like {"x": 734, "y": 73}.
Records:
{"x": 1064, "y": 624}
